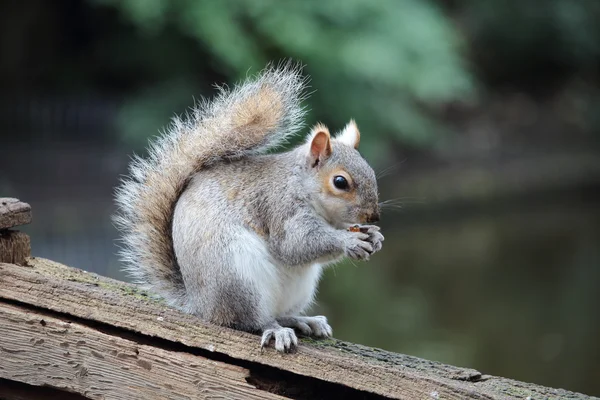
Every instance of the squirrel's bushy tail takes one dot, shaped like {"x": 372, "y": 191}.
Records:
{"x": 250, "y": 118}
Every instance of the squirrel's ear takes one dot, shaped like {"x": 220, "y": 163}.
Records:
{"x": 320, "y": 145}
{"x": 350, "y": 135}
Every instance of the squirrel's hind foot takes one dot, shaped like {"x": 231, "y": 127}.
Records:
{"x": 308, "y": 326}
{"x": 285, "y": 339}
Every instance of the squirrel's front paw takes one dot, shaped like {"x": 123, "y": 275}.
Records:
{"x": 285, "y": 339}
{"x": 375, "y": 237}
{"x": 357, "y": 246}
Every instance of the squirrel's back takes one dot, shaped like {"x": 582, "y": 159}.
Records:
{"x": 249, "y": 119}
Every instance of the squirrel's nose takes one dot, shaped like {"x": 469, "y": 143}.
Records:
{"x": 374, "y": 217}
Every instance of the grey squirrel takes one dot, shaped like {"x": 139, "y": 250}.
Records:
{"x": 238, "y": 237}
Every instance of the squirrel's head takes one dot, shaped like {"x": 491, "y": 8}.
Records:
{"x": 346, "y": 187}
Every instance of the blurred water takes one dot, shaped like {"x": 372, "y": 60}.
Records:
{"x": 512, "y": 292}
{"x": 509, "y": 289}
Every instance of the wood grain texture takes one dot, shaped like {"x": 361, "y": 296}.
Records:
{"x": 13, "y": 213}
{"x": 66, "y": 290}
{"x": 79, "y": 359}
{"x": 15, "y": 247}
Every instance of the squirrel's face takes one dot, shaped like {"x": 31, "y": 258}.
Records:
{"x": 346, "y": 185}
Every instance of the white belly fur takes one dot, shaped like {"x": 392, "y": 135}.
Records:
{"x": 284, "y": 290}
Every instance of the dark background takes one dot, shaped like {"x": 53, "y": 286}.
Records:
{"x": 482, "y": 118}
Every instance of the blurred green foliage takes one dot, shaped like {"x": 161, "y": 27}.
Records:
{"x": 384, "y": 63}
{"x": 522, "y": 38}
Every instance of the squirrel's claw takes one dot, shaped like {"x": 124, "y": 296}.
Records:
{"x": 285, "y": 339}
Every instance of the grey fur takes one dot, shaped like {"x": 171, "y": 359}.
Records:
{"x": 248, "y": 233}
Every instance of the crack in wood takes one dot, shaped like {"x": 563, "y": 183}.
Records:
{"x": 12, "y": 390}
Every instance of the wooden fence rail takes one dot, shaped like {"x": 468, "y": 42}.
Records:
{"x": 66, "y": 333}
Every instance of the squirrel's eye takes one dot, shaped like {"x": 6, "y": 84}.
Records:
{"x": 340, "y": 182}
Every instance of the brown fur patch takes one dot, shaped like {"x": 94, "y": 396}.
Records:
{"x": 327, "y": 183}
{"x": 259, "y": 228}
{"x": 232, "y": 193}
{"x": 258, "y": 113}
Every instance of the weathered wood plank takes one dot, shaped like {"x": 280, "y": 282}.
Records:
{"x": 43, "y": 350}
{"x": 15, "y": 247}
{"x": 13, "y": 213}
{"x": 59, "y": 288}
{"x": 55, "y": 287}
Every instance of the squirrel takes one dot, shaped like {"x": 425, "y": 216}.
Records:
{"x": 222, "y": 228}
